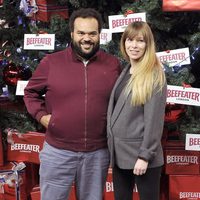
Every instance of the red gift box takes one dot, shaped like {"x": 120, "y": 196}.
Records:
{"x": 26, "y": 148}
{"x": 180, "y": 161}
{"x": 174, "y": 144}
{"x": 32, "y": 176}
{"x": 49, "y": 8}
{"x": 181, "y": 5}
{"x": 108, "y": 194}
{"x": 1, "y": 151}
{"x": 8, "y": 192}
{"x": 184, "y": 187}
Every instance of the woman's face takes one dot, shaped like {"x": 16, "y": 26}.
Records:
{"x": 135, "y": 47}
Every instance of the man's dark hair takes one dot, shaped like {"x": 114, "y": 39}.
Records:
{"x": 85, "y": 13}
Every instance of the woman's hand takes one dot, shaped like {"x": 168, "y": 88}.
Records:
{"x": 45, "y": 120}
{"x": 140, "y": 167}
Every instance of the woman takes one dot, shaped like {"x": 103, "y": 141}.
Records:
{"x": 136, "y": 116}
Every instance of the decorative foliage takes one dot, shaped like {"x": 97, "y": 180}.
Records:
{"x": 183, "y": 76}
{"x": 21, "y": 121}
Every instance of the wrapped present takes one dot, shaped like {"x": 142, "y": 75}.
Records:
{"x": 13, "y": 181}
{"x": 25, "y": 147}
{"x": 180, "y": 161}
{"x": 108, "y": 194}
{"x": 181, "y": 5}
{"x": 28, "y": 7}
{"x": 35, "y": 193}
{"x": 184, "y": 187}
{"x": 174, "y": 144}
{"x": 32, "y": 176}
{"x": 49, "y": 8}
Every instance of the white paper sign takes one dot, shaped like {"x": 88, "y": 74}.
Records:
{"x": 20, "y": 87}
{"x": 39, "y": 41}
{"x": 183, "y": 95}
{"x": 105, "y": 36}
{"x": 174, "y": 57}
{"x": 192, "y": 142}
{"x": 117, "y": 23}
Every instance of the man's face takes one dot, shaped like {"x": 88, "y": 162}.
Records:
{"x": 85, "y": 38}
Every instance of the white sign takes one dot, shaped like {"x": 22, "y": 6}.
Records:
{"x": 183, "y": 95}
{"x": 20, "y": 87}
{"x": 105, "y": 36}
{"x": 174, "y": 57}
{"x": 192, "y": 142}
{"x": 117, "y": 23}
{"x": 39, "y": 41}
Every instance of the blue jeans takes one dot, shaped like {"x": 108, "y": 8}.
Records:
{"x": 59, "y": 169}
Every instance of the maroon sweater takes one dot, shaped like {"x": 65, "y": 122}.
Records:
{"x": 77, "y": 97}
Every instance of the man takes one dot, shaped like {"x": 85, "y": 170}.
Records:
{"x": 77, "y": 83}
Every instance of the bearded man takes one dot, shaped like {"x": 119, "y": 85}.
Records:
{"x": 68, "y": 94}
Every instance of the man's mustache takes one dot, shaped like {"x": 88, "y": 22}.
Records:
{"x": 87, "y": 42}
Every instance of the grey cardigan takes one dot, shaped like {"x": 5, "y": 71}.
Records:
{"x": 135, "y": 131}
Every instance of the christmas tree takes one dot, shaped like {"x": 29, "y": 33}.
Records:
{"x": 172, "y": 30}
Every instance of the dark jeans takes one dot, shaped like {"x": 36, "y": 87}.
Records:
{"x": 148, "y": 185}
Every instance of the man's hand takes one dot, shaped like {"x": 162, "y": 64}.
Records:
{"x": 45, "y": 120}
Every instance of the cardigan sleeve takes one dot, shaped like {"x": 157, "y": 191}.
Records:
{"x": 35, "y": 89}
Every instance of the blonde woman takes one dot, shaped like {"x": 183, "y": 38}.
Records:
{"x": 136, "y": 117}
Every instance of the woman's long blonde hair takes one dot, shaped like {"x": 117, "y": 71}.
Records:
{"x": 148, "y": 72}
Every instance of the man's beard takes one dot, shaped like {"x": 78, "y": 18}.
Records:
{"x": 81, "y": 53}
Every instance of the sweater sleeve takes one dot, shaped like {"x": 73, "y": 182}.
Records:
{"x": 35, "y": 90}
{"x": 154, "y": 111}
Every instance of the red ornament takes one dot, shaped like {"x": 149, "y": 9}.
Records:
{"x": 128, "y": 12}
{"x": 167, "y": 51}
{"x": 185, "y": 85}
{"x": 12, "y": 73}
{"x": 42, "y": 32}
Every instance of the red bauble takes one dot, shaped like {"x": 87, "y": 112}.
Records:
{"x": 128, "y": 12}
{"x": 12, "y": 73}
